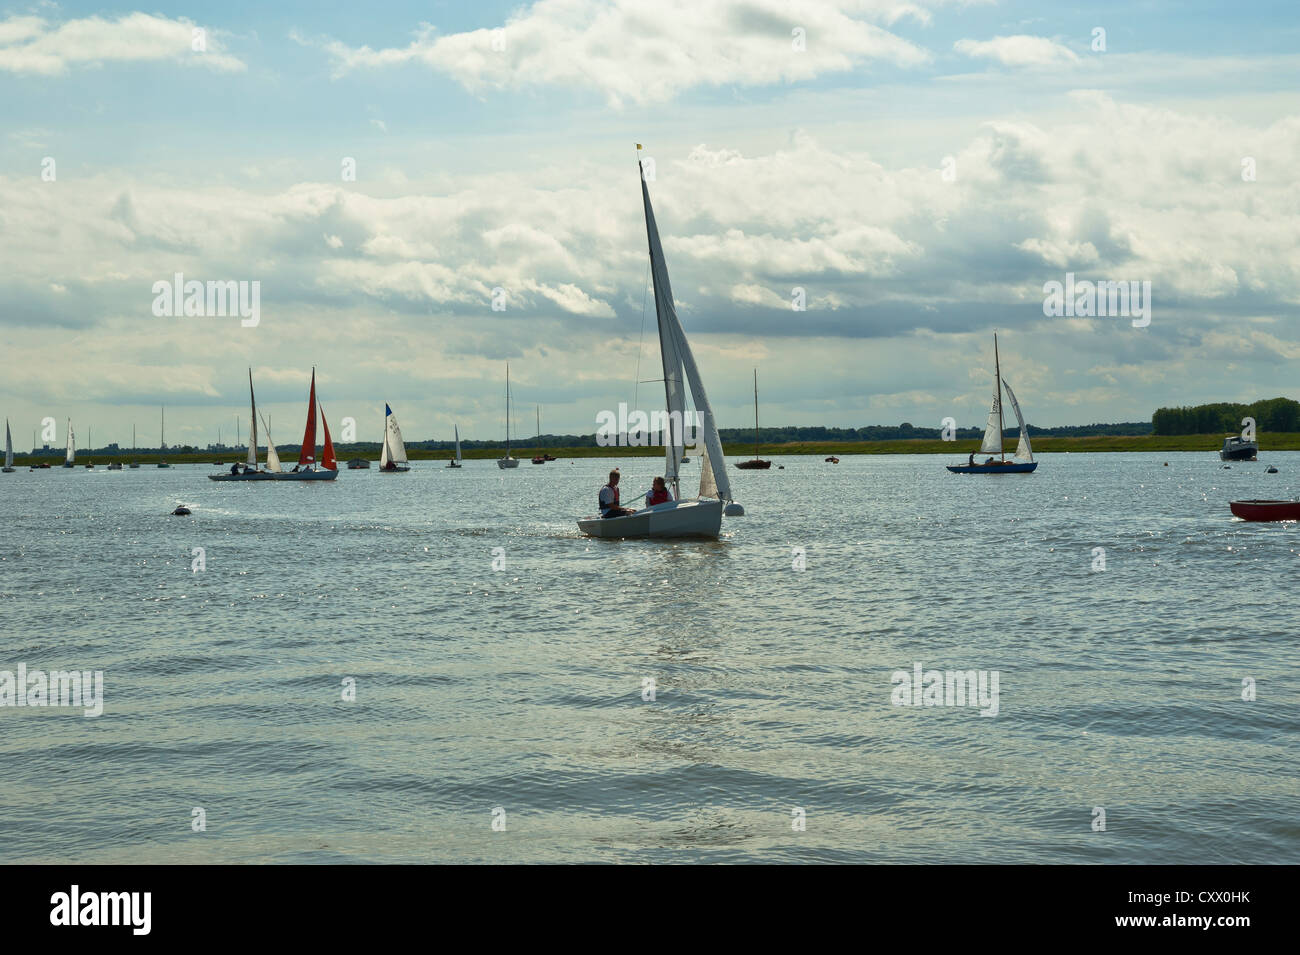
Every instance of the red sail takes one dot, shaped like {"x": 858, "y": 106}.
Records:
{"x": 327, "y": 460}
{"x": 308, "y": 453}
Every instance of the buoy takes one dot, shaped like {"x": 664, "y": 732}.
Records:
{"x": 733, "y": 510}
{"x": 181, "y": 511}
{"x": 1271, "y": 470}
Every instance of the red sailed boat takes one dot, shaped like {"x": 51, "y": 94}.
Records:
{"x": 307, "y": 469}
{"x": 1266, "y": 510}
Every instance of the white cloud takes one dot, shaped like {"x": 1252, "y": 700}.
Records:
{"x": 1019, "y": 50}
{"x": 33, "y": 45}
{"x": 634, "y": 52}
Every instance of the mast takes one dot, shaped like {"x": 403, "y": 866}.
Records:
{"x": 997, "y": 384}
{"x": 755, "y": 414}
{"x": 252, "y": 417}
{"x": 507, "y": 409}
{"x": 162, "y": 429}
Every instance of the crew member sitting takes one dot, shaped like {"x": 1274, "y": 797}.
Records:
{"x": 658, "y": 493}
{"x": 607, "y": 501}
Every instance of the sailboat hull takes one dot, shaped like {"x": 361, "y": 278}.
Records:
{"x": 754, "y": 464}
{"x": 1010, "y": 467}
{"x": 698, "y": 518}
{"x": 248, "y": 476}
{"x": 318, "y": 475}
{"x": 507, "y": 462}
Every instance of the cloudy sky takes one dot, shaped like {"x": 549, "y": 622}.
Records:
{"x": 920, "y": 170}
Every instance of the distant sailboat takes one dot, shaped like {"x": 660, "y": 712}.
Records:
{"x": 755, "y": 462}
{"x": 306, "y": 469}
{"x": 1023, "y": 462}
{"x": 72, "y": 447}
{"x": 455, "y": 462}
{"x": 89, "y": 465}
{"x": 507, "y": 461}
{"x": 9, "y": 451}
{"x": 702, "y": 516}
{"x": 134, "y": 462}
{"x": 249, "y": 471}
{"x": 392, "y": 459}
{"x": 539, "y": 458}
{"x": 162, "y": 437}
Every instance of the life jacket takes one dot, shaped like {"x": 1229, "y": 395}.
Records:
{"x": 601, "y": 506}
{"x": 655, "y": 497}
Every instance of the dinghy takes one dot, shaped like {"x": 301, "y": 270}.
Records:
{"x": 1023, "y": 462}
{"x": 358, "y": 464}
{"x": 392, "y": 459}
{"x": 507, "y": 461}
{"x": 455, "y": 462}
{"x": 755, "y": 463}
{"x": 1266, "y": 510}
{"x": 71, "y": 454}
{"x": 306, "y": 469}
{"x": 9, "y": 451}
{"x": 249, "y": 472}
{"x": 701, "y": 516}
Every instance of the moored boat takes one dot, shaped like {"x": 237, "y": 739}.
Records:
{"x": 358, "y": 464}
{"x": 9, "y": 451}
{"x": 1266, "y": 510}
{"x": 1237, "y": 448}
{"x": 507, "y": 461}
{"x": 755, "y": 463}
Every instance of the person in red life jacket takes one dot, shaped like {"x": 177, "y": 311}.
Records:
{"x": 607, "y": 501}
{"x": 658, "y": 493}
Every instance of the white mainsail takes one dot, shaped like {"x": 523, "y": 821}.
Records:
{"x": 1023, "y": 451}
{"x": 457, "y": 444}
{"x": 252, "y": 441}
{"x": 394, "y": 450}
{"x": 677, "y": 357}
{"x": 9, "y": 446}
{"x": 993, "y": 429}
{"x": 272, "y": 459}
{"x": 72, "y": 449}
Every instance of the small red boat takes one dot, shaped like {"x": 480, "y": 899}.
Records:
{"x": 1266, "y": 510}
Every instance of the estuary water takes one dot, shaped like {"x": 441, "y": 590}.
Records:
{"x": 519, "y": 694}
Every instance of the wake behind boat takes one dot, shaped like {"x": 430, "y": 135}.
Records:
{"x": 702, "y": 516}
{"x": 1023, "y": 462}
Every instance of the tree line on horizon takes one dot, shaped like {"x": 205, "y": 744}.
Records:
{"x": 1270, "y": 414}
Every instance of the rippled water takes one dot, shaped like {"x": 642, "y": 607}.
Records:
{"x": 522, "y": 688}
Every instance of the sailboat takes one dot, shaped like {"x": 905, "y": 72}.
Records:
{"x": 507, "y": 461}
{"x": 249, "y": 471}
{"x": 162, "y": 438}
{"x": 755, "y": 462}
{"x": 306, "y": 469}
{"x": 455, "y": 462}
{"x": 89, "y": 465}
{"x": 134, "y": 463}
{"x": 539, "y": 458}
{"x": 1023, "y": 461}
{"x": 9, "y": 451}
{"x": 72, "y": 447}
{"x": 392, "y": 459}
{"x": 700, "y": 516}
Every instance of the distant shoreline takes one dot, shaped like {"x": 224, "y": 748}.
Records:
{"x": 957, "y": 449}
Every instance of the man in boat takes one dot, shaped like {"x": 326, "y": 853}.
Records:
{"x": 971, "y": 460}
{"x": 607, "y": 500}
{"x": 658, "y": 493}
{"x": 234, "y": 468}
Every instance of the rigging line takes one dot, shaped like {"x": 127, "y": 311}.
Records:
{"x": 645, "y": 288}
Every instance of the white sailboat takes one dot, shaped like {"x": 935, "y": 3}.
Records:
{"x": 72, "y": 447}
{"x": 250, "y": 472}
{"x": 392, "y": 459}
{"x": 273, "y": 465}
{"x": 1023, "y": 462}
{"x": 700, "y": 516}
{"x": 507, "y": 461}
{"x": 455, "y": 462}
{"x": 9, "y": 451}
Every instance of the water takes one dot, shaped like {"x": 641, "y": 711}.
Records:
{"x": 522, "y": 688}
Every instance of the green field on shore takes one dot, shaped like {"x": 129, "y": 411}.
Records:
{"x": 1118, "y": 443}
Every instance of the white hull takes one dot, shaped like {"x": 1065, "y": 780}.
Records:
{"x": 696, "y": 518}
{"x": 507, "y": 462}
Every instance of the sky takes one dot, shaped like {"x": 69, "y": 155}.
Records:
{"x": 920, "y": 171}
